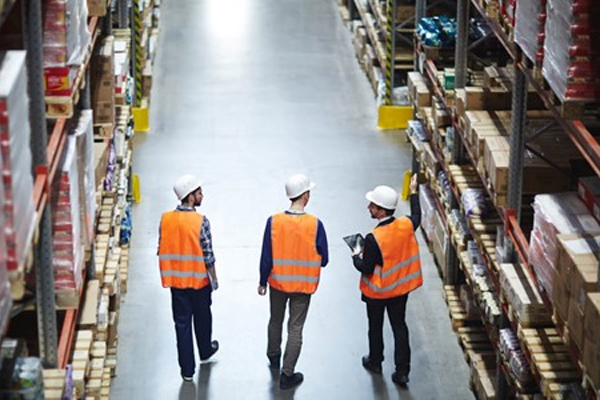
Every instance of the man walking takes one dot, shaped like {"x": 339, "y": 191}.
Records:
{"x": 294, "y": 251}
{"x": 187, "y": 266}
{"x": 391, "y": 269}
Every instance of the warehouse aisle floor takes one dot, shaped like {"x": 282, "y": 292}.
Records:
{"x": 247, "y": 92}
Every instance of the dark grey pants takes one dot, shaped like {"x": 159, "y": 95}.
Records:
{"x": 299, "y": 303}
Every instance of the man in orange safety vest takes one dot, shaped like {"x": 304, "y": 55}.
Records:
{"x": 390, "y": 266}
{"x": 294, "y": 251}
{"x": 187, "y": 267}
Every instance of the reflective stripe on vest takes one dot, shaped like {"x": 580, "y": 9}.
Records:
{"x": 180, "y": 255}
{"x": 296, "y": 262}
{"x": 401, "y": 269}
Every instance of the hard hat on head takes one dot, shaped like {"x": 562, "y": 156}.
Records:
{"x": 297, "y": 185}
{"x": 384, "y": 197}
{"x": 185, "y": 185}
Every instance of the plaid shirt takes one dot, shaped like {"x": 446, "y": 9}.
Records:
{"x": 205, "y": 237}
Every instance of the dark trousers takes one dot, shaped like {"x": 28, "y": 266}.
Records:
{"x": 192, "y": 305}
{"x": 299, "y": 303}
{"x": 396, "y": 310}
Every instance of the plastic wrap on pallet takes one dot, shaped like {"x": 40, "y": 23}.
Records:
{"x": 529, "y": 28}
{"x": 16, "y": 167}
{"x": 84, "y": 135}
{"x": 66, "y": 242}
{"x": 555, "y": 214}
{"x": 569, "y": 25}
{"x": 428, "y": 211}
{"x": 5, "y": 295}
{"x": 25, "y": 381}
{"x": 66, "y": 34}
{"x": 514, "y": 356}
{"x": 110, "y": 180}
{"x": 474, "y": 202}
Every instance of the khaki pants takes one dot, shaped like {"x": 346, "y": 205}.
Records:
{"x": 299, "y": 303}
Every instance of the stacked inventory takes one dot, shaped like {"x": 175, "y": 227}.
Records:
{"x": 103, "y": 86}
{"x": 571, "y": 59}
{"x": 66, "y": 41}
{"x": 530, "y": 28}
{"x": 15, "y": 132}
{"x": 66, "y": 241}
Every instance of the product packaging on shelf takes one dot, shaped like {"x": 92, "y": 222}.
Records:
{"x": 15, "y": 134}
{"x": 529, "y": 28}
{"x": 555, "y": 214}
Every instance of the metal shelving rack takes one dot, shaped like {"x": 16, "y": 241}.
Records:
{"x": 55, "y": 347}
{"x": 516, "y": 246}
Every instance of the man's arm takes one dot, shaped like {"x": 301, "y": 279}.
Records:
{"x": 371, "y": 256}
{"x": 266, "y": 258}
{"x": 207, "y": 249}
{"x": 415, "y": 211}
{"x": 322, "y": 246}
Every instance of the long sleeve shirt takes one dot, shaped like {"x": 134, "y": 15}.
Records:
{"x": 205, "y": 237}
{"x": 266, "y": 259}
{"x": 372, "y": 253}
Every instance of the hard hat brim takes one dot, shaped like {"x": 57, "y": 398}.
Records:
{"x": 197, "y": 184}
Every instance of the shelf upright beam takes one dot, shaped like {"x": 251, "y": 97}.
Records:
{"x": 44, "y": 276}
{"x": 517, "y": 143}
{"x": 390, "y": 45}
{"x": 462, "y": 44}
{"x": 123, "y": 13}
{"x": 420, "y": 11}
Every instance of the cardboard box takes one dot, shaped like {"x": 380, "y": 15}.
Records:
{"x": 497, "y": 166}
{"x": 575, "y": 324}
{"x": 104, "y": 112}
{"x": 404, "y": 12}
{"x": 592, "y": 317}
{"x": 591, "y": 360}
{"x": 97, "y": 8}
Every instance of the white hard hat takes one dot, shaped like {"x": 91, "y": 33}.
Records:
{"x": 297, "y": 185}
{"x": 185, "y": 185}
{"x": 384, "y": 197}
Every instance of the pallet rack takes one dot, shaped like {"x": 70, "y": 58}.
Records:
{"x": 50, "y": 126}
{"x": 516, "y": 246}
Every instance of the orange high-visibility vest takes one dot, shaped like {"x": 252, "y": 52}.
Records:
{"x": 180, "y": 255}
{"x": 401, "y": 269}
{"x": 296, "y": 262}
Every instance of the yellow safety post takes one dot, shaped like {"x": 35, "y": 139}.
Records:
{"x": 406, "y": 185}
{"x": 140, "y": 119}
{"x": 394, "y": 117}
{"x": 135, "y": 189}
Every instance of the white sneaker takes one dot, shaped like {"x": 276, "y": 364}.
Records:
{"x": 187, "y": 378}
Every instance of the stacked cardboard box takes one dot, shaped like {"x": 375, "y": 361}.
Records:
{"x": 591, "y": 356}
{"x": 103, "y": 85}
{"x": 66, "y": 41}
{"x": 571, "y": 59}
{"x": 16, "y": 166}
{"x": 418, "y": 89}
{"x": 522, "y": 295}
{"x": 556, "y": 214}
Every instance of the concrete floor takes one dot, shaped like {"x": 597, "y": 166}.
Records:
{"x": 247, "y": 92}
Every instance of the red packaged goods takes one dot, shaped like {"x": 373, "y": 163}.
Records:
{"x": 529, "y": 28}
{"x": 17, "y": 180}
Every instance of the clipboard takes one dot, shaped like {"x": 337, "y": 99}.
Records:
{"x": 356, "y": 242}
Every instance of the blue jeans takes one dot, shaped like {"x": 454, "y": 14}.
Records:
{"x": 188, "y": 305}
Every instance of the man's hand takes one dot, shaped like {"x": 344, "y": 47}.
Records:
{"x": 414, "y": 183}
{"x": 262, "y": 290}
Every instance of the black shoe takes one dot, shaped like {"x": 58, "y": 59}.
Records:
{"x": 274, "y": 361}
{"x": 372, "y": 366}
{"x": 288, "y": 382}
{"x": 214, "y": 347}
{"x": 400, "y": 379}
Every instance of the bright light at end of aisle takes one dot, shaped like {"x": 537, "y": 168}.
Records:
{"x": 228, "y": 19}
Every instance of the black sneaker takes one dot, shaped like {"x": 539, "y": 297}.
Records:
{"x": 400, "y": 379}
{"x": 372, "y": 366}
{"x": 288, "y": 382}
{"x": 214, "y": 347}
{"x": 274, "y": 362}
